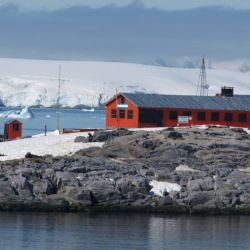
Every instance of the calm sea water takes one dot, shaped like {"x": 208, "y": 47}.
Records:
{"x": 79, "y": 231}
{"x": 24, "y": 231}
{"x": 70, "y": 118}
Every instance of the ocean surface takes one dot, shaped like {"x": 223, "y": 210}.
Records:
{"x": 23, "y": 231}
{"x": 70, "y": 118}
{"x": 49, "y": 231}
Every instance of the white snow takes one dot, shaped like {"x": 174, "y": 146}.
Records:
{"x": 53, "y": 144}
{"x": 185, "y": 168}
{"x": 161, "y": 187}
{"x": 33, "y": 82}
{"x": 25, "y": 113}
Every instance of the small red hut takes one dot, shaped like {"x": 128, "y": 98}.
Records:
{"x": 12, "y": 130}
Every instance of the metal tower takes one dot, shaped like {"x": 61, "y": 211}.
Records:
{"x": 202, "y": 87}
{"x": 58, "y": 104}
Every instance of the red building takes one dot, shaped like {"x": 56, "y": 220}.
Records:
{"x": 138, "y": 110}
{"x": 12, "y": 130}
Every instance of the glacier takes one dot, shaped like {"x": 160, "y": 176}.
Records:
{"x": 26, "y": 82}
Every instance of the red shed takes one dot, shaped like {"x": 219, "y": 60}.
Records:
{"x": 139, "y": 110}
{"x": 12, "y": 130}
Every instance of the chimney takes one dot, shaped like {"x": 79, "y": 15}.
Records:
{"x": 227, "y": 91}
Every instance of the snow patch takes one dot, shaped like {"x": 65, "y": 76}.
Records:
{"x": 185, "y": 168}
{"x": 52, "y": 144}
{"x": 160, "y": 188}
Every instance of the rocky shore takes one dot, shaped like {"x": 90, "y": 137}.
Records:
{"x": 210, "y": 166}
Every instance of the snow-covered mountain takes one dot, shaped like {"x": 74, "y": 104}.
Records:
{"x": 34, "y": 82}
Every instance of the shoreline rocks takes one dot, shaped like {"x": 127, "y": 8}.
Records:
{"x": 210, "y": 166}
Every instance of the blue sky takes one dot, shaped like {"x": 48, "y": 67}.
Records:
{"x": 161, "y": 4}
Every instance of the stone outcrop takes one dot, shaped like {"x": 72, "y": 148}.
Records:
{"x": 210, "y": 165}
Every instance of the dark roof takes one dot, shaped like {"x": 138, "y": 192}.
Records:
{"x": 12, "y": 121}
{"x": 237, "y": 102}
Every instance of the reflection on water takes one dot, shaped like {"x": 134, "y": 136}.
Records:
{"x": 80, "y": 231}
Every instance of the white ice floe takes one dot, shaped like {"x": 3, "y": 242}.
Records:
{"x": 24, "y": 114}
{"x": 161, "y": 187}
{"x": 88, "y": 110}
{"x": 52, "y": 144}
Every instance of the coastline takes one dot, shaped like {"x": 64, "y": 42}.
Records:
{"x": 210, "y": 166}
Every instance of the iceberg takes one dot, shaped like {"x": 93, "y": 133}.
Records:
{"x": 88, "y": 110}
{"x": 24, "y": 114}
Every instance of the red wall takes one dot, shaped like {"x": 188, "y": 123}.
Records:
{"x": 134, "y": 123}
{"x": 12, "y": 135}
{"x": 235, "y": 123}
{"x": 121, "y": 122}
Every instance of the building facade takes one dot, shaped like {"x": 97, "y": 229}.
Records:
{"x": 137, "y": 110}
{"x": 12, "y": 130}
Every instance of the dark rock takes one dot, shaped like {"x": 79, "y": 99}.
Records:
{"x": 148, "y": 144}
{"x": 151, "y": 144}
{"x": 195, "y": 185}
{"x": 198, "y": 198}
{"x": 7, "y": 192}
{"x": 55, "y": 200}
{"x": 134, "y": 196}
{"x": 104, "y": 192}
{"x": 166, "y": 201}
{"x": 81, "y": 139}
{"x": 29, "y": 156}
{"x": 118, "y": 174}
{"x": 175, "y": 135}
{"x": 125, "y": 185}
{"x": 239, "y": 130}
{"x": 77, "y": 194}
{"x": 101, "y": 136}
{"x": 78, "y": 170}
{"x": 48, "y": 187}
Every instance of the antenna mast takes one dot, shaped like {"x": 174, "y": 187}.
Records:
{"x": 58, "y": 104}
{"x": 58, "y": 100}
{"x": 202, "y": 87}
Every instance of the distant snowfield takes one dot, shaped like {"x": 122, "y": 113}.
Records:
{"x": 53, "y": 144}
{"x": 33, "y": 82}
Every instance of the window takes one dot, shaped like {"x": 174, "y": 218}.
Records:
{"x": 187, "y": 113}
{"x": 228, "y": 117}
{"x": 201, "y": 116}
{"x": 173, "y": 115}
{"x": 242, "y": 117}
{"x": 16, "y": 127}
{"x": 122, "y": 113}
{"x": 215, "y": 116}
{"x": 113, "y": 113}
{"x": 130, "y": 114}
